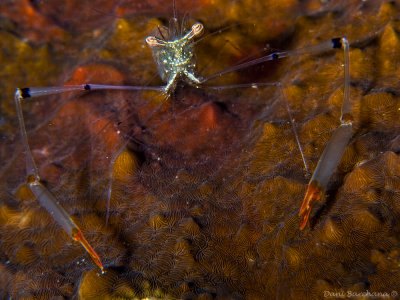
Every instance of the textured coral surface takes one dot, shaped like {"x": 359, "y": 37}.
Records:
{"x": 206, "y": 186}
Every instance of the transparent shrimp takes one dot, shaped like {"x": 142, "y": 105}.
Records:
{"x": 175, "y": 60}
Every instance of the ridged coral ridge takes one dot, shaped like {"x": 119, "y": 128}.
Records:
{"x": 205, "y": 186}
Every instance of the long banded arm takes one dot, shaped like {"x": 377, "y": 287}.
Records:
{"x": 49, "y": 202}
{"x": 46, "y": 199}
{"x": 335, "y": 43}
{"x": 43, "y": 91}
{"x": 334, "y": 150}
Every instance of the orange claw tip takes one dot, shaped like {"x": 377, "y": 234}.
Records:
{"x": 304, "y": 219}
{"x": 78, "y": 236}
{"x": 313, "y": 193}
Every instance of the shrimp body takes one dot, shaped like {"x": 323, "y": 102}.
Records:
{"x": 174, "y": 56}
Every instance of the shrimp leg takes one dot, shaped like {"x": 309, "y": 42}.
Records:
{"x": 336, "y": 146}
{"x": 314, "y": 49}
{"x": 334, "y": 149}
{"x": 46, "y": 199}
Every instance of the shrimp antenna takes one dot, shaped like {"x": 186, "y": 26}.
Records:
{"x": 174, "y": 9}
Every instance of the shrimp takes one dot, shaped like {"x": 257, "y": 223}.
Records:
{"x": 174, "y": 55}
{"x": 175, "y": 60}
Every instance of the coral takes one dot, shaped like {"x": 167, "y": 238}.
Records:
{"x": 207, "y": 188}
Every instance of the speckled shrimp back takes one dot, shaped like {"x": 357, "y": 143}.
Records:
{"x": 174, "y": 55}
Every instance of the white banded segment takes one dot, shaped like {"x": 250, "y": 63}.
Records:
{"x": 335, "y": 43}
{"x": 33, "y": 92}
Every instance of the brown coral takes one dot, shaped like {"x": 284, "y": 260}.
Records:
{"x": 205, "y": 199}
